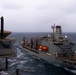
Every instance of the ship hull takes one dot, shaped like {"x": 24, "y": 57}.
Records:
{"x": 50, "y": 59}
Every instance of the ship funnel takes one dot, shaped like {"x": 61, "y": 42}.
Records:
{"x": 58, "y": 32}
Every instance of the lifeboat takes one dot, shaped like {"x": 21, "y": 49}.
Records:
{"x": 41, "y": 47}
{"x": 45, "y": 48}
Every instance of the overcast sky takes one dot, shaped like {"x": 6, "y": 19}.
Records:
{"x": 38, "y": 15}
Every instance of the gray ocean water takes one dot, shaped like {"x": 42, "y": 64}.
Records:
{"x": 30, "y": 65}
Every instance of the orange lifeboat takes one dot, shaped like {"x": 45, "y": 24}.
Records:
{"x": 45, "y": 48}
{"x": 41, "y": 47}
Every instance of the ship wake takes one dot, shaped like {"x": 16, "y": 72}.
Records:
{"x": 70, "y": 70}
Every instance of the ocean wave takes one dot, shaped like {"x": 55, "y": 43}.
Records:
{"x": 73, "y": 71}
{"x": 13, "y": 64}
{"x": 57, "y": 65}
{"x": 19, "y": 53}
{"x": 23, "y": 62}
{"x": 12, "y": 60}
{"x": 70, "y": 70}
{"x": 3, "y": 73}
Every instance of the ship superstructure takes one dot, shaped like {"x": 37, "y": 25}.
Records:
{"x": 7, "y": 48}
{"x": 53, "y": 48}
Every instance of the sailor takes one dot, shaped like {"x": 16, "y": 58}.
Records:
{"x": 32, "y": 43}
{"x": 37, "y": 43}
{"x": 25, "y": 41}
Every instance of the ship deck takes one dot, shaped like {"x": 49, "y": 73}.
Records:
{"x": 69, "y": 60}
{"x": 65, "y": 59}
{"x": 31, "y": 49}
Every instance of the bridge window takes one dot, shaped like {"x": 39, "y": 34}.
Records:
{"x": 5, "y": 44}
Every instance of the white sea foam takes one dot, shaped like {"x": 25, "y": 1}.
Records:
{"x": 73, "y": 71}
{"x": 22, "y": 62}
{"x": 70, "y": 70}
{"x": 3, "y": 73}
{"x": 19, "y": 53}
{"x": 25, "y": 58}
{"x": 12, "y": 60}
{"x": 13, "y": 64}
{"x": 57, "y": 65}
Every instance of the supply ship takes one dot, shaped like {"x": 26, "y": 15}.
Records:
{"x": 54, "y": 48}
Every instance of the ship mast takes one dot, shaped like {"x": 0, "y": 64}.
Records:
{"x": 2, "y": 26}
{"x": 53, "y": 27}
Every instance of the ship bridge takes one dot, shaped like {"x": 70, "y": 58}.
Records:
{"x": 6, "y": 44}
